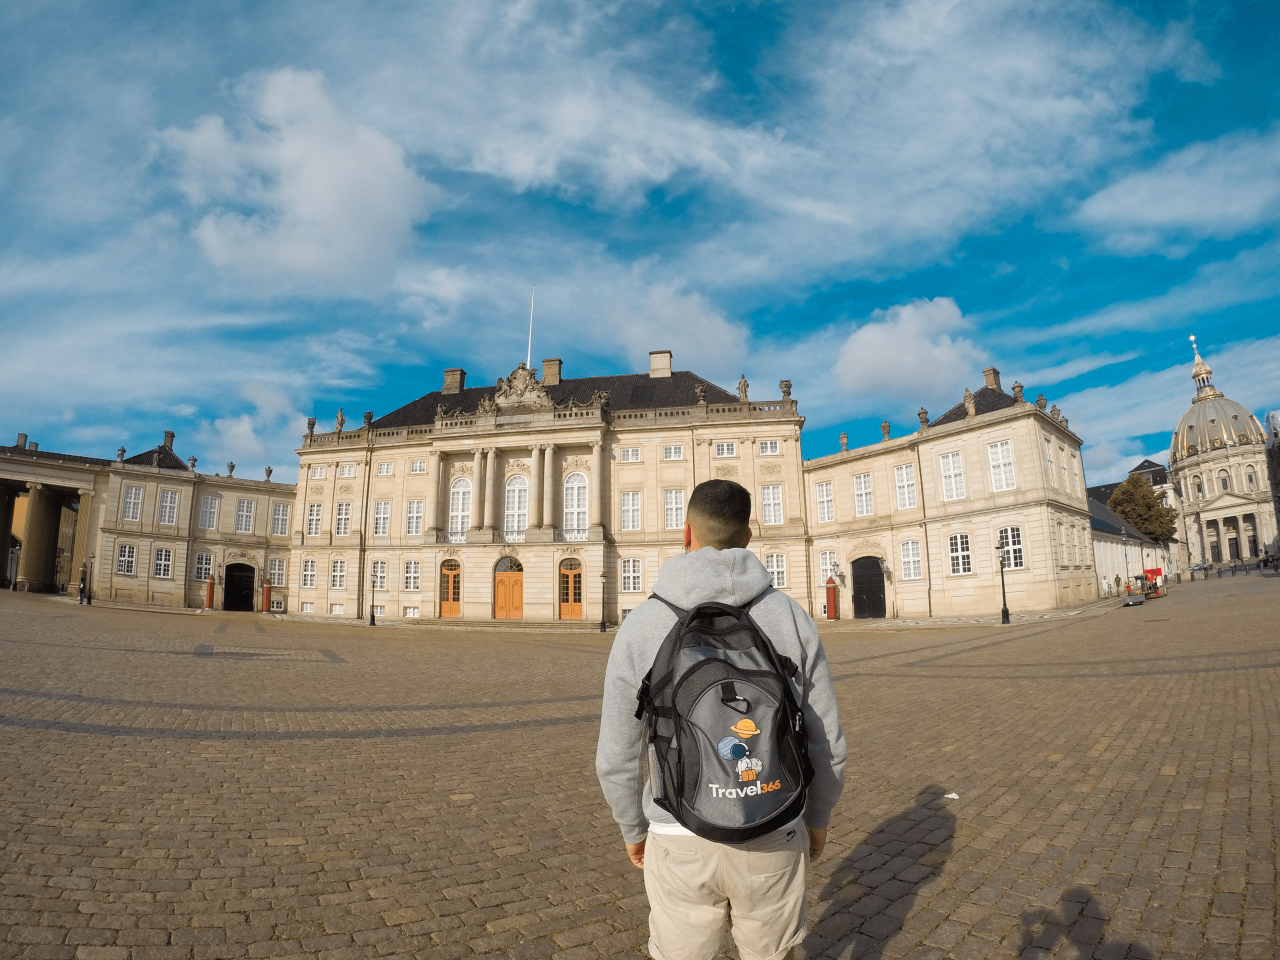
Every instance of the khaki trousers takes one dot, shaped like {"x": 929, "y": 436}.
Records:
{"x": 697, "y": 888}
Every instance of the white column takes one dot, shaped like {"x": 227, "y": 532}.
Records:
{"x": 477, "y": 491}
{"x": 435, "y": 466}
{"x": 490, "y": 484}
{"x": 535, "y": 485}
{"x": 548, "y": 488}
{"x": 597, "y": 485}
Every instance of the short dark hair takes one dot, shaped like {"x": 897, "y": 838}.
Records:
{"x": 720, "y": 511}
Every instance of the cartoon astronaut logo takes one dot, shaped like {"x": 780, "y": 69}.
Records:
{"x": 732, "y": 748}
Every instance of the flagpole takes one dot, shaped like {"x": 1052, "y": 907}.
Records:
{"x": 528, "y": 361}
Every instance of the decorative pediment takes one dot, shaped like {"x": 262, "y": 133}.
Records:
{"x": 459, "y": 469}
{"x": 866, "y": 548}
{"x": 516, "y": 467}
{"x": 572, "y": 464}
{"x": 521, "y": 389}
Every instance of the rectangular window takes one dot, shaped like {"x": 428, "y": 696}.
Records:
{"x": 961, "y": 561}
{"x": 244, "y": 516}
{"x": 410, "y": 611}
{"x": 378, "y": 574}
{"x": 631, "y": 576}
{"x": 338, "y": 575}
{"x": 132, "y": 509}
{"x": 726, "y": 449}
{"x": 336, "y": 609}
{"x": 1048, "y": 462}
{"x": 1075, "y": 475}
{"x": 827, "y": 565}
{"x": 673, "y": 452}
{"x": 1062, "y": 463}
{"x": 208, "y": 512}
{"x": 342, "y": 520}
{"x": 279, "y": 519}
{"x": 768, "y": 448}
{"x": 126, "y": 556}
{"x": 952, "y": 476}
{"x": 629, "y": 455}
{"x": 771, "y": 503}
{"x": 317, "y": 471}
{"x": 417, "y": 466}
{"x": 673, "y": 509}
{"x": 863, "y": 503}
{"x": 911, "y": 560}
{"x": 313, "y": 519}
{"x": 275, "y": 571}
{"x": 347, "y": 470}
{"x": 413, "y": 518}
{"x": 382, "y": 518}
{"x": 203, "y": 567}
{"x": 459, "y": 509}
{"x": 413, "y": 575}
{"x": 306, "y": 608}
{"x": 826, "y": 502}
{"x": 167, "y": 512}
{"x": 905, "y": 479}
{"x": 1000, "y": 455}
{"x": 384, "y": 469}
{"x": 162, "y": 566}
{"x": 776, "y": 564}
{"x": 309, "y": 574}
{"x": 1010, "y": 546}
{"x": 379, "y": 610}
{"x": 277, "y": 606}
{"x": 630, "y": 509}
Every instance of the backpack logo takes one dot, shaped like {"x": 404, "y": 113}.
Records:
{"x": 731, "y": 748}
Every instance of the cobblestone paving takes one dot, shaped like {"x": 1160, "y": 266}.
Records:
{"x": 237, "y": 786}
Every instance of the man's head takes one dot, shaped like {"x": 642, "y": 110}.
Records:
{"x": 719, "y": 515}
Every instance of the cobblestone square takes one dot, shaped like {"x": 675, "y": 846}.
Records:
{"x": 232, "y": 785}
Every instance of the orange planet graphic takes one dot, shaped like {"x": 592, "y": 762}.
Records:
{"x": 744, "y": 728}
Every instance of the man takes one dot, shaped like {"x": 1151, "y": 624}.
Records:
{"x": 693, "y": 882}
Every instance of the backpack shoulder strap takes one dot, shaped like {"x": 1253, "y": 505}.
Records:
{"x": 680, "y": 612}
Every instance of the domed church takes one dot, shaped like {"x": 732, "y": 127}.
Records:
{"x": 1218, "y": 463}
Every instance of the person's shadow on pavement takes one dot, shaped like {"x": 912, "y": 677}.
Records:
{"x": 1080, "y": 919}
{"x": 872, "y": 891}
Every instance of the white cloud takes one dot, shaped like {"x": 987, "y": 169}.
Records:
{"x": 1069, "y": 369}
{"x": 266, "y": 436}
{"x": 329, "y": 200}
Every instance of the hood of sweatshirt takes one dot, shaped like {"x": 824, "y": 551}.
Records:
{"x": 710, "y": 575}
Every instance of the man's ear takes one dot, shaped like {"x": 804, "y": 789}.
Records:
{"x": 748, "y": 540}
{"x": 688, "y": 535}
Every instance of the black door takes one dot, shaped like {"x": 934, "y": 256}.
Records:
{"x": 868, "y": 589}
{"x": 237, "y": 591}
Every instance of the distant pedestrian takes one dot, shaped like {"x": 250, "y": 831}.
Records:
{"x": 82, "y": 591}
{"x": 753, "y": 810}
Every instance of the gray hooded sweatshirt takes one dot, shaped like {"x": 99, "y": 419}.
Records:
{"x": 724, "y": 576}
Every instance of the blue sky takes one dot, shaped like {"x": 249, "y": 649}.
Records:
{"x": 222, "y": 218}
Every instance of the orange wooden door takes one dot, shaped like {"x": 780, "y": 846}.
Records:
{"x": 571, "y": 589}
{"x": 508, "y": 596}
{"x": 451, "y": 589}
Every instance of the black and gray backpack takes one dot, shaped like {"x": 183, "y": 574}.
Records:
{"x": 725, "y": 751}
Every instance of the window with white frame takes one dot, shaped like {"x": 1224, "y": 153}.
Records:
{"x": 313, "y": 519}
{"x": 952, "y": 476}
{"x": 1009, "y": 543}
{"x": 417, "y": 466}
{"x": 459, "y": 509}
{"x": 306, "y": 607}
{"x": 864, "y": 504}
{"x": 208, "y": 512}
{"x": 516, "y": 517}
{"x": 126, "y": 558}
{"x": 1075, "y": 475}
{"x": 673, "y": 452}
{"x": 958, "y": 547}
{"x": 279, "y": 519}
{"x": 382, "y": 518}
{"x": 771, "y": 503}
{"x": 347, "y": 470}
{"x": 826, "y": 501}
{"x": 413, "y": 518}
{"x": 768, "y": 448}
{"x": 384, "y": 470}
{"x": 827, "y": 565}
{"x": 131, "y": 509}
{"x": 277, "y": 606}
{"x": 1062, "y": 545}
{"x": 1071, "y": 543}
{"x": 1000, "y": 456}
{"x": 629, "y": 455}
{"x": 336, "y": 609}
{"x": 410, "y": 611}
{"x": 167, "y": 510}
{"x": 203, "y": 566}
{"x": 162, "y": 564}
{"x": 378, "y": 610}
{"x": 630, "y": 509}
{"x": 1048, "y": 462}
{"x": 904, "y": 478}
{"x": 575, "y": 502}
{"x": 631, "y": 575}
{"x": 244, "y": 515}
{"x": 724, "y": 449}
{"x": 1062, "y": 463}
{"x": 342, "y": 519}
{"x": 911, "y": 568}
{"x": 378, "y": 574}
{"x": 309, "y": 574}
{"x": 673, "y": 509}
{"x": 776, "y": 564}
{"x": 338, "y": 575}
{"x": 275, "y": 571}
{"x": 317, "y": 471}
{"x": 413, "y": 575}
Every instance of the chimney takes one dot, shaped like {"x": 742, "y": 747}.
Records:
{"x": 659, "y": 363}
{"x": 22, "y": 441}
{"x": 168, "y": 438}
{"x": 454, "y": 380}
{"x": 551, "y": 372}
{"x": 33, "y": 445}
{"x": 992, "y": 376}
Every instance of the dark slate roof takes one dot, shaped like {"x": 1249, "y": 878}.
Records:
{"x": 1153, "y": 471}
{"x": 1104, "y": 519}
{"x": 985, "y": 400}
{"x": 164, "y": 458}
{"x": 1103, "y": 491}
{"x": 627, "y": 391}
{"x": 71, "y": 458}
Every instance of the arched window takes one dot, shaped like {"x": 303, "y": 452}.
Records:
{"x": 911, "y": 569}
{"x": 575, "y": 506}
{"x": 776, "y": 564}
{"x": 459, "y": 509}
{"x": 1199, "y": 485}
{"x": 1224, "y": 480}
{"x": 517, "y": 514}
{"x": 1009, "y": 543}
{"x": 961, "y": 559}
{"x": 1250, "y": 479}
{"x": 1062, "y": 546}
{"x": 631, "y": 575}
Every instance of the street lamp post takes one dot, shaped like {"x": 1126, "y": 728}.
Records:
{"x": 1004, "y": 598}
{"x": 373, "y": 585}
{"x": 17, "y": 565}
{"x": 88, "y": 593}
{"x": 603, "y": 578}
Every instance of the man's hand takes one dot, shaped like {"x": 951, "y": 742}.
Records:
{"x": 635, "y": 851}
{"x": 817, "y": 840}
